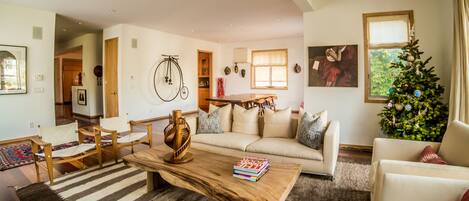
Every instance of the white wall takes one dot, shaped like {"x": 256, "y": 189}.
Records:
{"x": 135, "y": 68}
{"x": 91, "y": 44}
{"x": 235, "y": 84}
{"x": 18, "y": 111}
{"x": 340, "y": 22}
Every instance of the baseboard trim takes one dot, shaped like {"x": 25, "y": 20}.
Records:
{"x": 352, "y": 147}
{"x": 17, "y": 140}
{"x": 164, "y": 117}
{"x": 88, "y": 117}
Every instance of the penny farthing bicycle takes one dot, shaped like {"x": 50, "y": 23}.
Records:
{"x": 168, "y": 80}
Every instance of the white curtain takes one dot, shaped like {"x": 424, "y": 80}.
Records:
{"x": 459, "y": 100}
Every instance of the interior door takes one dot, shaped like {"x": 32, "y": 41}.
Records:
{"x": 71, "y": 69}
{"x": 110, "y": 78}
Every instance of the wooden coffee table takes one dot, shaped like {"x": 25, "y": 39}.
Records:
{"x": 211, "y": 175}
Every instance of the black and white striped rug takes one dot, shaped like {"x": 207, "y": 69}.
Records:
{"x": 113, "y": 182}
{"x": 120, "y": 182}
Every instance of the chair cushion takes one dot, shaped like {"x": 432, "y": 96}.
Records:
{"x": 245, "y": 121}
{"x": 454, "y": 147}
{"x": 277, "y": 124}
{"x": 70, "y": 151}
{"x": 225, "y": 114}
{"x": 131, "y": 137}
{"x": 285, "y": 147}
{"x": 228, "y": 140}
{"x": 119, "y": 124}
{"x": 60, "y": 134}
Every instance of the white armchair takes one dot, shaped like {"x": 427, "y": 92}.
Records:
{"x": 396, "y": 174}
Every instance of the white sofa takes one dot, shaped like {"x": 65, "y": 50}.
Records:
{"x": 396, "y": 174}
{"x": 289, "y": 150}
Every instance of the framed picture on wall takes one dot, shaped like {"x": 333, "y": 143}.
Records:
{"x": 13, "y": 69}
{"x": 333, "y": 66}
{"x": 81, "y": 96}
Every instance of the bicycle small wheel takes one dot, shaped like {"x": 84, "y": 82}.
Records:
{"x": 184, "y": 92}
{"x": 167, "y": 80}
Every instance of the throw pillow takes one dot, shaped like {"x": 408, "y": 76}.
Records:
{"x": 225, "y": 116}
{"x": 454, "y": 147}
{"x": 465, "y": 195}
{"x": 311, "y": 131}
{"x": 322, "y": 114}
{"x": 277, "y": 124}
{"x": 429, "y": 155}
{"x": 209, "y": 122}
{"x": 245, "y": 121}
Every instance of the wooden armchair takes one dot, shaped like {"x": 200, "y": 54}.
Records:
{"x": 57, "y": 137}
{"x": 123, "y": 133}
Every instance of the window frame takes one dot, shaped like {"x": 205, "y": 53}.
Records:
{"x": 253, "y": 72}
{"x": 367, "y": 47}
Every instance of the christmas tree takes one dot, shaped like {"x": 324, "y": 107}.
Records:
{"x": 414, "y": 110}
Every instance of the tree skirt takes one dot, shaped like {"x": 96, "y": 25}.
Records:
{"x": 120, "y": 182}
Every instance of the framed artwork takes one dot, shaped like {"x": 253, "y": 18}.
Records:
{"x": 81, "y": 96}
{"x": 13, "y": 69}
{"x": 333, "y": 66}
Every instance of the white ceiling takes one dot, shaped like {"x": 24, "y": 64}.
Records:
{"x": 213, "y": 20}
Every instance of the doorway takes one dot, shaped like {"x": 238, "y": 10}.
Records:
{"x": 110, "y": 78}
{"x": 204, "y": 71}
{"x": 68, "y": 69}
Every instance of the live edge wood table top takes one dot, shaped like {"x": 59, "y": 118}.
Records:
{"x": 211, "y": 175}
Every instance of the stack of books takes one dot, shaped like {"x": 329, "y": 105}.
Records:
{"x": 251, "y": 168}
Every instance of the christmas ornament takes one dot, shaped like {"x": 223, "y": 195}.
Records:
{"x": 410, "y": 58}
{"x": 417, "y": 93}
{"x": 398, "y": 106}
{"x": 408, "y": 107}
{"x": 391, "y": 90}
{"x": 389, "y": 106}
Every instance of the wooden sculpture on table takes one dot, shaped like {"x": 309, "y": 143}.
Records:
{"x": 177, "y": 136}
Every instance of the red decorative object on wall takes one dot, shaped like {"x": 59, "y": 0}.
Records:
{"x": 220, "y": 87}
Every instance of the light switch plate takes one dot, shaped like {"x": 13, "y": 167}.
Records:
{"x": 39, "y": 77}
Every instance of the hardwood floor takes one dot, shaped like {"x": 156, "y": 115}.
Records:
{"x": 25, "y": 175}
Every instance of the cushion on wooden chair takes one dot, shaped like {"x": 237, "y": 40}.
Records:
{"x": 132, "y": 137}
{"x": 60, "y": 134}
{"x": 70, "y": 151}
{"x": 119, "y": 124}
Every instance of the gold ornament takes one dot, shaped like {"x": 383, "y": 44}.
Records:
{"x": 177, "y": 136}
{"x": 399, "y": 106}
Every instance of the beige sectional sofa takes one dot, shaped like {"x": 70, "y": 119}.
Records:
{"x": 287, "y": 150}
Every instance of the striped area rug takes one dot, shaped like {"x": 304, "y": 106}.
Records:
{"x": 119, "y": 182}
{"x": 113, "y": 182}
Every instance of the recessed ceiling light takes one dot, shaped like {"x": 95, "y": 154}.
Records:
{"x": 80, "y": 23}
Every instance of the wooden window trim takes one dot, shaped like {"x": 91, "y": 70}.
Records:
{"x": 367, "y": 47}
{"x": 253, "y": 72}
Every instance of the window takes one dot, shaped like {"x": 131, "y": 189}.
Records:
{"x": 269, "y": 69}
{"x": 385, "y": 35}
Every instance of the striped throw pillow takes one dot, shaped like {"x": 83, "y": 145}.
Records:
{"x": 429, "y": 155}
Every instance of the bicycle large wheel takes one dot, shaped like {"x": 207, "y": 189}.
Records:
{"x": 167, "y": 79}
